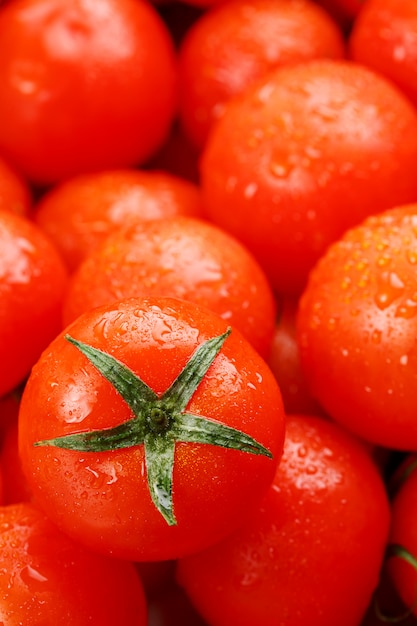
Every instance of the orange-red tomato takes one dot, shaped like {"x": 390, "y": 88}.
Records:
{"x": 156, "y": 435}
{"x": 402, "y": 552}
{"x": 309, "y": 151}
{"x": 312, "y": 551}
{"x": 46, "y": 578}
{"x": 33, "y": 280}
{"x": 83, "y": 85}
{"x": 183, "y": 258}
{"x": 384, "y": 38}
{"x": 357, "y": 327}
{"x": 237, "y": 42}
{"x": 81, "y": 211}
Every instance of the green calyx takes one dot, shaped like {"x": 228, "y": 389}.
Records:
{"x": 158, "y": 422}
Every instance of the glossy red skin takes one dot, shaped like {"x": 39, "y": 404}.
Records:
{"x": 33, "y": 280}
{"x": 383, "y": 38}
{"x": 182, "y": 258}
{"x": 15, "y": 486}
{"x": 231, "y": 46}
{"x": 78, "y": 83}
{"x": 403, "y": 533}
{"x": 284, "y": 361}
{"x": 15, "y": 193}
{"x": 81, "y": 211}
{"x": 49, "y": 579}
{"x": 102, "y": 499}
{"x": 305, "y": 154}
{"x": 357, "y": 324}
{"x": 312, "y": 551}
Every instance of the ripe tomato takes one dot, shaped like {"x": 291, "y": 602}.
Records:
{"x": 312, "y": 551}
{"x": 49, "y": 579}
{"x": 402, "y": 552}
{"x": 81, "y": 211}
{"x": 384, "y": 37}
{"x": 77, "y": 85}
{"x": 156, "y": 435}
{"x": 33, "y": 280}
{"x": 284, "y": 361}
{"x": 309, "y": 151}
{"x": 183, "y": 258}
{"x": 237, "y": 42}
{"x": 357, "y": 324}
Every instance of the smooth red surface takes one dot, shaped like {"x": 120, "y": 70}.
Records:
{"x": 308, "y": 152}
{"x": 311, "y": 553}
{"x": 83, "y": 85}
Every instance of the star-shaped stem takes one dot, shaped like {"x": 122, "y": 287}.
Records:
{"x": 158, "y": 422}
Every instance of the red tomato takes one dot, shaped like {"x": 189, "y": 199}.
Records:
{"x": 77, "y": 85}
{"x": 237, "y": 42}
{"x": 156, "y": 435}
{"x": 306, "y": 153}
{"x": 312, "y": 551}
{"x": 33, "y": 279}
{"x": 284, "y": 361}
{"x": 80, "y": 212}
{"x": 384, "y": 37}
{"x": 402, "y": 553}
{"x": 49, "y": 579}
{"x": 183, "y": 258}
{"x": 357, "y": 327}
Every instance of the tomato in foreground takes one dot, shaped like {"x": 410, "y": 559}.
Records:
{"x": 312, "y": 551}
{"x": 46, "y": 578}
{"x": 357, "y": 326}
{"x": 149, "y": 428}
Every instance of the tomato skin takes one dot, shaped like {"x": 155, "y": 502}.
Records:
{"x": 403, "y": 533}
{"x": 357, "y": 328}
{"x": 288, "y": 565}
{"x": 231, "y": 46}
{"x": 182, "y": 258}
{"x": 15, "y": 193}
{"x": 383, "y": 38}
{"x": 213, "y": 488}
{"x": 48, "y": 579}
{"x": 33, "y": 280}
{"x": 81, "y": 211}
{"x": 284, "y": 361}
{"x": 71, "y": 96}
{"x": 305, "y": 154}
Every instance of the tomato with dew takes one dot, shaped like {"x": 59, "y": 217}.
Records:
{"x": 49, "y": 579}
{"x": 158, "y": 427}
{"x": 357, "y": 326}
{"x": 304, "y": 154}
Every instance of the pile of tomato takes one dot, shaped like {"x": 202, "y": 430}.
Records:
{"x": 208, "y": 312}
